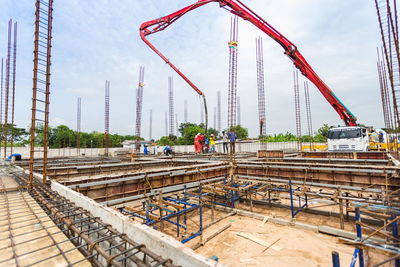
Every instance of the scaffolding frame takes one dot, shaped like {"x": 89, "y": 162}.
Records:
{"x": 174, "y": 207}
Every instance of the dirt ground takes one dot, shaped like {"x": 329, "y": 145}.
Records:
{"x": 313, "y": 219}
{"x": 294, "y": 247}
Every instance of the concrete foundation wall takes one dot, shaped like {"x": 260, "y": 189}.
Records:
{"x": 159, "y": 243}
{"x": 248, "y": 146}
{"x": 240, "y": 147}
{"x": 245, "y": 146}
{"x": 63, "y": 152}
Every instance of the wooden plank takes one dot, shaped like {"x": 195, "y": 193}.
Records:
{"x": 151, "y": 216}
{"x": 257, "y": 240}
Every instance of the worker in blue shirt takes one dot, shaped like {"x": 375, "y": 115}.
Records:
{"x": 232, "y": 140}
{"x": 146, "y": 151}
{"x": 207, "y": 145}
{"x": 167, "y": 150}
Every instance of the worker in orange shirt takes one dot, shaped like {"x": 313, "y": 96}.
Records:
{"x": 197, "y": 144}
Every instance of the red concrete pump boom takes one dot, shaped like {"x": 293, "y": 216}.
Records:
{"x": 238, "y": 8}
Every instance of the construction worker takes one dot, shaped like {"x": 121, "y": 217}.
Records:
{"x": 145, "y": 150}
{"x": 207, "y": 144}
{"x": 225, "y": 142}
{"x": 197, "y": 145}
{"x": 232, "y": 140}
{"x": 212, "y": 143}
{"x": 168, "y": 151}
{"x": 380, "y": 137}
{"x": 201, "y": 142}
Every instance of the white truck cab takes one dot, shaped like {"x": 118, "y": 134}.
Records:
{"x": 348, "y": 138}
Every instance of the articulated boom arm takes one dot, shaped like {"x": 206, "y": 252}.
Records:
{"x": 238, "y": 8}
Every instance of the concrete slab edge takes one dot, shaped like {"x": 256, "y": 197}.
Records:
{"x": 159, "y": 243}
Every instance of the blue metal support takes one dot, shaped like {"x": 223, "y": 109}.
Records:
{"x": 359, "y": 236}
{"x": 291, "y": 197}
{"x": 354, "y": 259}
{"x": 191, "y": 237}
{"x": 174, "y": 223}
{"x": 232, "y": 196}
{"x": 335, "y": 259}
{"x": 184, "y": 199}
{"x": 291, "y": 200}
{"x": 201, "y": 212}
{"x": 200, "y": 232}
{"x": 177, "y": 225}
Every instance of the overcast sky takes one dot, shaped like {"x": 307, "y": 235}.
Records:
{"x": 94, "y": 41}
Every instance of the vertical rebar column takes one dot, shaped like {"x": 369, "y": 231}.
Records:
{"x": 387, "y": 93}
{"x": 219, "y": 111}
{"x": 185, "y": 112}
{"x": 78, "y": 126}
{"x": 260, "y": 86}
{"x": 232, "y": 84}
{"x": 8, "y": 61}
{"x": 383, "y": 93}
{"x": 34, "y": 94}
{"x": 171, "y": 105}
{"x": 297, "y": 108}
{"x": 308, "y": 112}
{"x": 47, "y": 94}
{"x": 107, "y": 117}
{"x": 166, "y": 123}
{"x": 215, "y": 118}
{"x": 139, "y": 105}
{"x": 13, "y": 86}
{"x": 389, "y": 34}
{"x": 151, "y": 125}
{"x": 176, "y": 124}
{"x": 1, "y": 104}
{"x": 238, "y": 111}
{"x": 41, "y": 77}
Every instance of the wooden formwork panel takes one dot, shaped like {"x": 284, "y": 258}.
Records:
{"x": 353, "y": 177}
{"x": 270, "y": 154}
{"x": 115, "y": 190}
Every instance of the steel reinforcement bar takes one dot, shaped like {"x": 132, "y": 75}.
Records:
{"x": 101, "y": 244}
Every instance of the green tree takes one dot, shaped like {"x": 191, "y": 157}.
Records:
{"x": 322, "y": 133}
{"x": 288, "y": 137}
{"x": 212, "y": 131}
{"x": 306, "y": 138}
{"x": 169, "y": 140}
{"x": 188, "y": 131}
